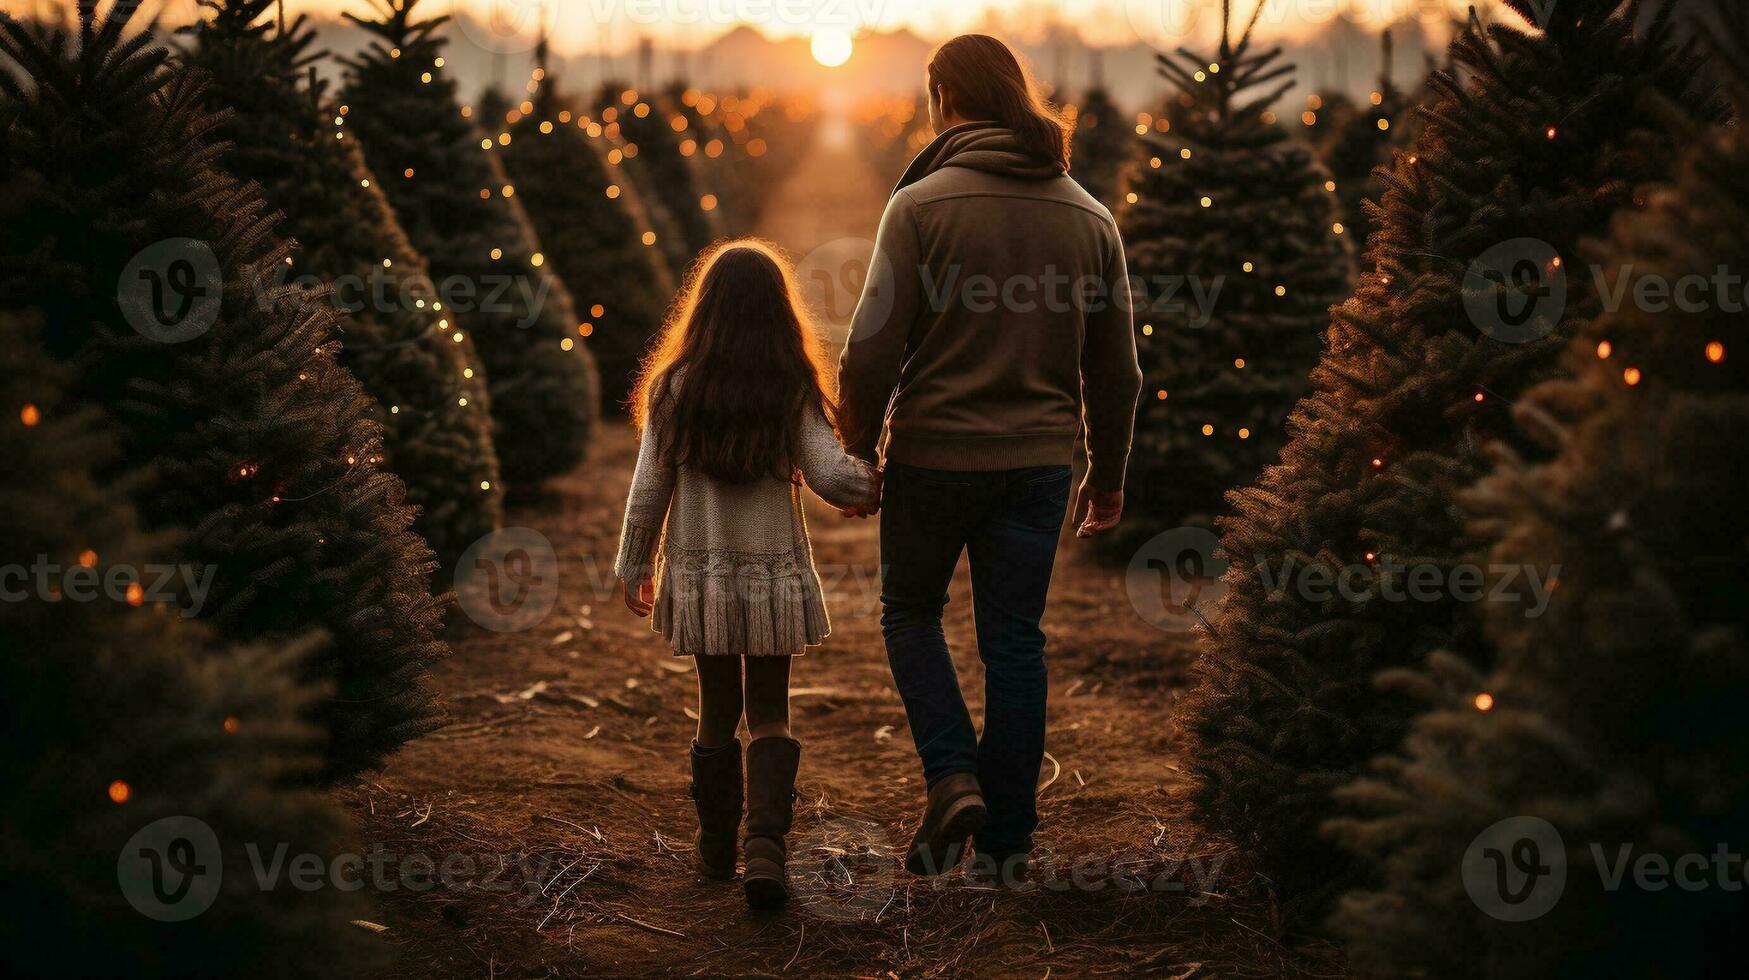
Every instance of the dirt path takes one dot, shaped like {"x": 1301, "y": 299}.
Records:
{"x": 554, "y": 802}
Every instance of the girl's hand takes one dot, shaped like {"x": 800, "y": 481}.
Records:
{"x": 640, "y": 598}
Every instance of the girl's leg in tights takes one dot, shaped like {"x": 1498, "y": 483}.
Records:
{"x": 767, "y": 691}
{"x": 719, "y": 700}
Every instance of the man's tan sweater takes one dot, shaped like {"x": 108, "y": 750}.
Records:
{"x": 995, "y": 321}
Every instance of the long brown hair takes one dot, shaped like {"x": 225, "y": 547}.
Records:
{"x": 752, "y": 365}
{"x": 985, "y": 81}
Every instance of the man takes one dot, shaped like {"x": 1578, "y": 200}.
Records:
{"x": 994, "y": 326}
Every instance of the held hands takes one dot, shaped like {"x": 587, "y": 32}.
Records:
{"x": 873, "y": 504}
{"x": 1100, "y": 510}
{"x": 640, "y": 596}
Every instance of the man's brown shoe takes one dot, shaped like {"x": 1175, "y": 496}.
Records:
{"x": 955, "y": 812}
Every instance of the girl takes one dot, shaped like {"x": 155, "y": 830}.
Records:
{"x": 734, "y": 415}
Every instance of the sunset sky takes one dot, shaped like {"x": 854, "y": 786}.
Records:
{"x": 616, "y": 24}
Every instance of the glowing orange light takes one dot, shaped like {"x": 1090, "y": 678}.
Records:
{"x": 1377, "y": 462}
{"x": 1715, "y": 352}
{"x": 30, "y": 416}
{"x": 119, "y": 792}
{"x": 1631, "y": 376}
{"x": 1604, "y": 349}
{"x": 1484, "y": 701}
{"x": 597, "y": 310}
{"x": 88, "y": 558}
{"x": 232, "y": 725}
{"x": 136, "y": 594}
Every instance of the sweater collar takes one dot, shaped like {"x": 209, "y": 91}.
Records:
{"x": 984, "y": 146}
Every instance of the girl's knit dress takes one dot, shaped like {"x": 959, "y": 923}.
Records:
{"x": 733, "y": 569}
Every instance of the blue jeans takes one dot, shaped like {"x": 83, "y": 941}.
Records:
{"x": 1008, "y": 522}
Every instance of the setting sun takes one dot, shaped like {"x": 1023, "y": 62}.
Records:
{"x": 831, "y": 48}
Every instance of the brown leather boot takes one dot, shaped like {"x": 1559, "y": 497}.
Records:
{"x": 955, "y": 811}
{"x": 716, "y": 793}
{"x": 771, "y": 796}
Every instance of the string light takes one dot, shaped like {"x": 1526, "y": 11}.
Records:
{"x": 1715, "y": 352}
{"x": 120, "y": 792}
{"x": 1244, "y": 433}
{"x": 1484, "y": 701}
{"x": 1631, "y": 376}
{"x": 30, "y": 415}
{"x": 1604, "y": 349}
{"x": 232, "y": 725}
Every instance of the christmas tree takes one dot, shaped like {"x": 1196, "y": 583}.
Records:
{"x": 121, "y": 713}
{"x": 1359, "y": 139}
{"x": 896, "y": 132}
{"x": 1615, "y": 714}
{"x": 647, "y": 146}
{"x": 1231, "y": 234}
{"x": 429, "y": 390}
{"x": 1103, "y": 144}
{"x": 1456, "y": 319}
{"x": 154, "y": 272}
{"x": 448, "y": 186}
{"x": 593, "y": 225}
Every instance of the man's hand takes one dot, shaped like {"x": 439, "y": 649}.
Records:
{"x": 873, "y": 506}
{"x": 640, "y": 597}
{"x": 1100, "y": 510}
